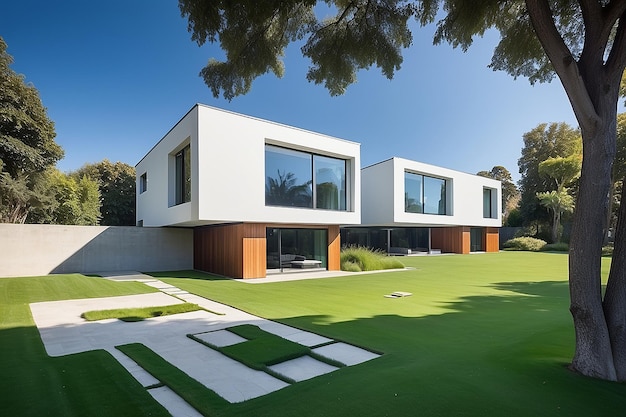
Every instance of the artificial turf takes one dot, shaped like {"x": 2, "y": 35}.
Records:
{"x": 138, "y": 314}
{"x": 85, "y": 384}
{"x": 485, "y": 334}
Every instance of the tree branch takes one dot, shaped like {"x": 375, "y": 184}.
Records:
{"x": 562, "y": 60}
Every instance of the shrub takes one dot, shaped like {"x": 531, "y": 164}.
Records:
{"x": 358, "y": 258}
{"x": 524, "y": 243}
{"x": 607, "y": 250}
{"x": 555, "y": 247}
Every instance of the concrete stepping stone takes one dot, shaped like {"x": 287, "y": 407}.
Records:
{"x": 302, "y": 368}
{"x": 347, "y": 354}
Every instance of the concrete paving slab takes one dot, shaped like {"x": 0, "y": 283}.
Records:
{"x": 347, "y": 354}
{"x": 220, "y": 338}
{"x": 140, "y": 374}
{"x": 173, "y": 403}
{"x": 63, "y": 332}
{"x": 302, "y": 368}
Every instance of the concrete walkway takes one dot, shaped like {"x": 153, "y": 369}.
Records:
{"x": 64, "y": 332}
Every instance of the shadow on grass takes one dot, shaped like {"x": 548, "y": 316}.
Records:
{"x": 496, "y": 355}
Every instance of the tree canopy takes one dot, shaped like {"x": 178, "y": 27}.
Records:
{"x": 116, "y": 183}
{"x": 27, "y": 146}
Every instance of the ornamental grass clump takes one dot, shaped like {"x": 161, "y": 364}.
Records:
{"x": 525, "y": 243}
{"x": 359, "y": 258}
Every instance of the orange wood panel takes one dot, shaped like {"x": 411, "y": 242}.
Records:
{"x": 254, "y": 257}
{"x": 334, "y": 248}
{"x": 219, "y": 249}
{"x": 451, "y": 239}
{"x": 492, "y": 239}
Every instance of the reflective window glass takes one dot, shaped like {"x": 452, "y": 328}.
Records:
{"x": 434, "y": 195}
{"x": 330, "y": 183}
{"x": 288, "y": 177}
{"x": 413, "y": 193}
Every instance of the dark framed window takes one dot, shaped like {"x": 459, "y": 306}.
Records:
{"x": 424, "y": 194}
{"x": 489, "y": 200}
{"x": 302, "y": 179}
{"x": 183, "y": 175}
{"x": 143, "y": 183}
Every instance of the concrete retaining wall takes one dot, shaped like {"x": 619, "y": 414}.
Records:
{"x": 33, "y": 249}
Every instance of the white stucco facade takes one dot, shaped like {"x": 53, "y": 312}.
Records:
{"x": 227, "y": 159}
{"x": 383, "y": 196}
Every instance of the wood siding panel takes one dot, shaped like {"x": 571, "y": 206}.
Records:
{"x": 451, "y": 239}
{"x": 492, "y": 239}
{"x": 334, "y": 248}
{"x": 219, "y": 249}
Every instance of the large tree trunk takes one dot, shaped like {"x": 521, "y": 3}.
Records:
{"x": 615, "y": 297}
{"x": 591, "y": 81}
{"x": 593, "y": 355}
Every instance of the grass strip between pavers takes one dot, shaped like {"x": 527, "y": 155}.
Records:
{"x": 203, "y": 399}
{"x": 140, "y": 313}
{"x": 264, "y": 349}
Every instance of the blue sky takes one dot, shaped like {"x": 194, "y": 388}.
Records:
{"x": 115, "y": 76}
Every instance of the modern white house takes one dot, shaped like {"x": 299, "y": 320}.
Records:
{"x": 410, "y": 207}
{"x": 259, "y": 195}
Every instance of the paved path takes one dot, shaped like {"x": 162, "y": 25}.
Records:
{"x": 64, "y": 332}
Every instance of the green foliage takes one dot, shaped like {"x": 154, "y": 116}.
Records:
{"x": 27, "y": 146}
{"x": 555, "y": 247}
{"x": 70, "y": 200}
{"x": 138, "y": 314}
{"x": 254, "y": 36}
{"x": 524, "y": 243}
{"x": 359, "y": 258}
{"x": 116, "y": 183}
{"x": 562, "y": 170}
{"x": 514, "y": 219}
{"x": 541, "y": 143}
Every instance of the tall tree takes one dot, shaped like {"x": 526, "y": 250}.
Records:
{"x": 27, "y": 146}
{"x": 541, "y": 143}
{"x": 583, "y": 42}
{"x": 117, "y": 190}
{"x": 563, "y": 171}
{"x": 510, "y": 193}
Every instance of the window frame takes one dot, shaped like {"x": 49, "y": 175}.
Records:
{"x": 143, "y": 183}
{"x": 343, "y": 201}
{"x": 182, "y": 175}
{"x": 442, "y": 202}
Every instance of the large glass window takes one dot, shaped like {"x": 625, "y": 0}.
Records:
{"x": 413, "y": 193}
{"x": 424, "y": 194}
{"x": 183, "y": 175}
{"x": 434, "y": 195}
{"x": 301, "y": 179}
{"x": 330, "y": 183}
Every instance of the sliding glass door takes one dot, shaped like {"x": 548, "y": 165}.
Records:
{"x": 296, "y": 248}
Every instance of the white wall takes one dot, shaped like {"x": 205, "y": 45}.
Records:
{"x": 155, "y": 205}
{"x": 228, "y": 172}
{"x": 464, "y": 196}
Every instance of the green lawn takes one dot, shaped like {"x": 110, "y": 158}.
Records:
{"x": 486, "y": 334}
{"x": 86, "y": 384}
